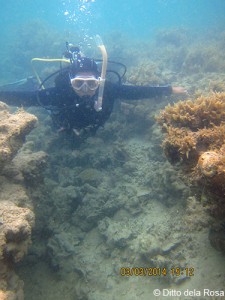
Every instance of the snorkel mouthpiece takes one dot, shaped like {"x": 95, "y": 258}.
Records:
{"x": 98, "y": 103}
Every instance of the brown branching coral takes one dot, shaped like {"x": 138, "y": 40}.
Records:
{"x": 204, "y": 112}
{"x": 183, "y": 144}
{"x": 195, "y": 137}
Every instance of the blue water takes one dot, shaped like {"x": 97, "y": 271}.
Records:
{"x": 134, "y": 17}
{"x": 77, "y": 21}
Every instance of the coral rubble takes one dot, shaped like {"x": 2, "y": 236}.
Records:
{"x": 195, "y": 137}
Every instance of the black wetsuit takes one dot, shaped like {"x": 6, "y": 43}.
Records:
{"x": 70, "y": 112}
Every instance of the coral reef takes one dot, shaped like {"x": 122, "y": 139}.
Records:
{"x": 16, "y": 208}
{"x": 195, "y": 135}
{"x": 112, "y": 202}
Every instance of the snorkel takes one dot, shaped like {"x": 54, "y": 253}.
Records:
{"x": 98, "y": 103}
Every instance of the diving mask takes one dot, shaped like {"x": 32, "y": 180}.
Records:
{"x": 85, "y": 83}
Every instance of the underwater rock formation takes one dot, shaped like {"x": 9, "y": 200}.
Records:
{"x": 195, "y": 138}
{"x": 13, "y": 129}
{"x": 16, "y": 209}
{"x": 28, "y": 167}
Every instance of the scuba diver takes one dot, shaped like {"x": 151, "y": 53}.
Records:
{"x": 81, "y": 99}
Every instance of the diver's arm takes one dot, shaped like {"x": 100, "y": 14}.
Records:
{"x": 44, "y": 98}
{"x": 131, "y": 92}
{"x": 19, "y": 98}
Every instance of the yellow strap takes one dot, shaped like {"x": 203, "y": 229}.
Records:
{"x": 46, "y": 60}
